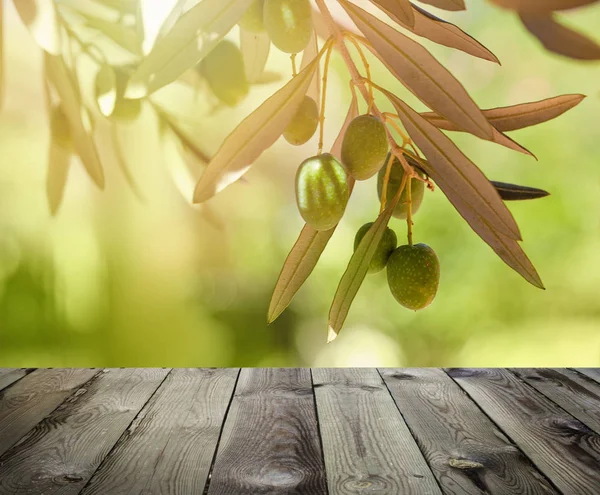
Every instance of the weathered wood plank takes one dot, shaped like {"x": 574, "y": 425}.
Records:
{"x": 574, "y": 393}
{"x": 593, "y": 373}
{"x": 8, "y": 376}
{"x": 170, "y": 446}
{"x": 563, "y": 448}
{"x": 33, "y": 397}
{"x": 367, "y": 445}
{"x": 62, "y": 452}
{"x": 467, "y": 453}
{"x": 270, "y": 442}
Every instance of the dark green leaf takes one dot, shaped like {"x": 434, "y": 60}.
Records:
{"x": 514, "y": 192}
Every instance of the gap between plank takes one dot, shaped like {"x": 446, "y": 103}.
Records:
{"x": 312, "y": 386}
{"x": 212, "y": 464}
{"x": 537, "y": 468}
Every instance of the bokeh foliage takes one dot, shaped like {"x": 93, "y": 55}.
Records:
{"x": 115, "y": 280}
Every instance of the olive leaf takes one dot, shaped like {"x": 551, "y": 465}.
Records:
{"x": 106, "y": 89}
{"x": 504, "y": 140}
{"x": 356, "y": 270}
{"x": 453, "y": 5}
{"x": 455, "y": 173}
{"x": 256, "y": 133}
{"x": 447, "y": 34}
{"x": 42, "y": 21}
{"x": 255, "y": 49}
{"x": 540, "y": 6}
{"x": 514, "y": 192}
{"x": 307, "y": 250}
{"x": 56, "y": 178}
{"x": 193, "y": 35}
{"x": 469, "y": 191}
{"x": 518, "y": 116}
{"x": 124, "y": 36}
{"x": 421, "y": 73}
{"x": 76, "y": 114}
{"x": 560, "y": 39}
{"x": 399, "y": 10}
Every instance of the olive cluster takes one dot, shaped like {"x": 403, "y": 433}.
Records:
{"x": 322, "y": 193}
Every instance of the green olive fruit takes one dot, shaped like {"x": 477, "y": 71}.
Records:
{"x": 125, "y": 109}
{"x": 288, "y": 24}
{"x": 364, "y": 147}
{"x": 304, "y": 123}
{"x": 417, "y": 190}
{"x": 413, "y": 274}
{"x": 322, "y": 191}
{"x": 60, "y": 129}
{"x": 385, "y": 248}
{"x": 223, "y": 69}
{"x": 252, "y": 20}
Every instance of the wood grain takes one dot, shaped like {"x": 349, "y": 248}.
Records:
{"x": 62, "y": 452}
{"x": 170, "y": 446}
{"x": 8, "y": 376}
{"x": 575, "y": 394}
{"x": 33, "y": 397}
{"x": 270, "y": 441}
{"x": 467, "y": 453}
{"x": 593, "y": 373}
{"x": 367, "y": 445}
{"x": 563, "y": 448}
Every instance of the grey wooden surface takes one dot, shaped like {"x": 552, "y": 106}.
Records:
{"x": 300, "y": 431}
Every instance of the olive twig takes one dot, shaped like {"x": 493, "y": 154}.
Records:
{"x": 293, "y": 59}
{"x": 409, "y": 222}
{"x": 361, "y": 53}
{"x": 328, "y": 47}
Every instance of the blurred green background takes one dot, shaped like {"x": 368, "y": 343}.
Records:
{"x": 117, "y": 281}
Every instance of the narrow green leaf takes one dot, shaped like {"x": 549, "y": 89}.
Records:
{"x": 193, "y": 36}
{"x": 519, "y": 116}
{"x": 76, "y": 114}
{"x": 41, "y": 19}
{"x": 542, "y": 6}
{"x": 514, "y": 192}
{"x": 255, "y": 49}
{"x": 253, "y": 135}
{"x": 401, "y": 10}
{"x": 356, "y": 271}
{"x": 560, "y": 39}
{"x": 452, "y": 5}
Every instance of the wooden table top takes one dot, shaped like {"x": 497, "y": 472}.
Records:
{"x": 300, "y": 431}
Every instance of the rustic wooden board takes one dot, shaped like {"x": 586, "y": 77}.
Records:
{"x": 8, "y": 376}
{"x": 62, "y": 452}
{"x": 575, "y": 394}
{"x": 367, "y": 445}
{"x": 593, "y": 373}
{"x": 170, "y": 446}
{"x": 562, "y": 447}
{"x": 465, "y": 449}
{"x": 270, "y": 442}
{"x": 33, "y": 397}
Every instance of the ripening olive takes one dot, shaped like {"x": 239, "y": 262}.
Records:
{"x": 364, "y": 147}
{"x": 413, "y": 274}
{"x": 322, "y": 191}
{"x": 417, "y": 190}
{"x": 304, "y": 123}
{"x": 223, "y": 69}
{"x": 385, "y": 248}
{"x": 288, "y": 24}
{"x": 60, "y": 130}
{"x": 252, "y": 20}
